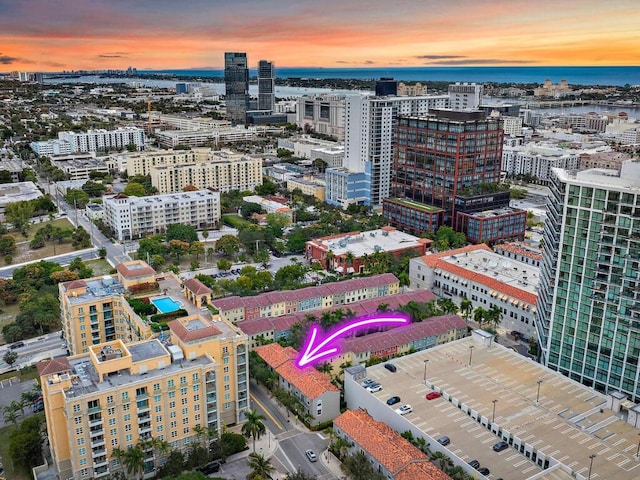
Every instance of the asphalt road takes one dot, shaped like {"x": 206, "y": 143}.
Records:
{"x": 34, "y": 350}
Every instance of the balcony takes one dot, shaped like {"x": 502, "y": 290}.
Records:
{"x": 143, "y": 409}
{"x": 101, "y": 473}
{"x": 93, "y": 433}
{"x": 101, "y": 462}
{"x": 146, "y": 428}
{"x": 96, "y": 409}
{"x": 145, "y": 417}
{"x": 96, "y": 422}
{"x": 101, "y": 452}
{"x": 98, "y": 442}
{"x": 211, "y": 398}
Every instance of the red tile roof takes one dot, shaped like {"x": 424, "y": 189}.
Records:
{"x": 309, "y": 381}
{"x": 436, "y": 261}
{"x": 271, "y": 298}
{"x": 142, "y": 269}
{"x": 57, "y": 365}
{"x": 72, "y": 285}
{"x": 388, "y": 447}
{"x": 362, "y": 308}
{"x": 190, "y": 329}
{"x": 197, "y": 287}
{"x": 519, "y": 248}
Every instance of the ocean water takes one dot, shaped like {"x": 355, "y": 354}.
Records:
{"x": 574, "y": 75}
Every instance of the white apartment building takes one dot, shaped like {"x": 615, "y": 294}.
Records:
{"x": 465, "y": 96}
{"x": 484, "y": 277}
{"x": 323, "y": 113}
{"x": 630, "y": 137}
{"x": 140, "y": 163}
{"x": 224, "y": 171}
{"x": 305, "y": 146}
{"x": 199, "y": 138}
{"x": 537, "y": 159}
{"x": 370, "y": 131}
{"x": 51, "y": 147}
{"x": 134, "y": 217}
{"x": 98, "y": 140}
{"x": 333, "y": 155}
{"x": 512, "y": 126}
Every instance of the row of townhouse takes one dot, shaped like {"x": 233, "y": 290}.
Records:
{"x": 319, "y": 398}
{"x": 278, "y": 328}
{"x": 276, "y": 304}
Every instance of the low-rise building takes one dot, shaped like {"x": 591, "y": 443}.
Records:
{"x": 520, "y": 251}
{"x": 276, "y": 304}
{"x": 270, "y": 206}
{"x": 263, "y": 329}
{"x": 134, "y": 217}
{"x": 319, "y": 398}
{"x": 79, "y": 168}
{"x": 17, "y": 192}
{"x": 411, "y": 216}
{"x": 308, "y": 186}
{"x": 345, "y": 187}
{"x": 388, "y": 452}
{"x": 101, "y": 140}
{"x": 486, "y": 278}
{"x": 492, "y": 225}
{"x": 349, "y": 252}
{"x": 50, "y": 148}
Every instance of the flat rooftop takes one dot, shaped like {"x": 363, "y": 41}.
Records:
{"x": 570, "y": 421}
{"x": 417, "y": 205}
{"x": 384, "y": 239}
{"x": 86, "y": 378}
{"x": 98, "y": 288}
{"x": 497, "y": 268}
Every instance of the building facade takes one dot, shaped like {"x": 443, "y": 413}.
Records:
{"x": 223, "y": 172}
{"x": 484, "y": 277}
{"x": 537, "y": 159}
{"x": 236, "y": 82}
{"x": 348, "y": 253}
{"x": 412, "y": 217}
{"x": 266, "y": 85}
{"x": 465, "y": 96}
{"x": 589, "y": 303}
{"x": 119, "y": 395}
{"x": 102, "y": 140}
{"x": 323, "y": 114}
{"x": 134, "y": 217}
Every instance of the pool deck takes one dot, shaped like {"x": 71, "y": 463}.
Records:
{"x": 166, "y": 297}
{"x": 171, "y": 286}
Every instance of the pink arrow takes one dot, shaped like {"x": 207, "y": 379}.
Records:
{"x": 313, "y": 353}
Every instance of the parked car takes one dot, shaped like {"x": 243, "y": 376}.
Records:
{"x": 444, "y": 440}
{"x": 211, "y": 467}
{"x": 376, "y": 387}
{"x": 433, "y": 395}
{"x": 391, "y": 367}
{"x": 367, "y": 382}
{"x": 16, "y": 345}
{"x": 474, "y": 464}
{"x": 311, "y": 455}
{"x": 500, "y": 446}
{"x": 404, "y": 409}
{"x": 484, "y": 470}
{"x": 37, "y": 406}
{"x": 393, "y": 400}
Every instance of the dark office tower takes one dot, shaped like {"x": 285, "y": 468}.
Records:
{"x": 236, "y": 82}
{"x": 447, "y": 168}
{"x": 386, "y": 87}
{"x": 266, "y": 86}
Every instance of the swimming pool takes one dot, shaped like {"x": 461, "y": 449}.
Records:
{"x": 166, "y": 304}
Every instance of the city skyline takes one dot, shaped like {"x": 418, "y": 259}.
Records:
{"x": 41, "y": 35}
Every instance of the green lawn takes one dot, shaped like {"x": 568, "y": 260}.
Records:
{"x": 8, "y": 314}
{"x": 33, "y": 228}
{"x": 100, "y": 266}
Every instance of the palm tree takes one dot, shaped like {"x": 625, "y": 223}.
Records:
{"x": 261, "y": 468}
{"x": 300, "y": 475}
{"x": 329, "y": 258}
{"x": 202, "y": 433}
{"x": 133, "y": 460}
{"x": 118, "y": 454}
{"x": 327, "y": 320}
{"x": 383, "y": 307}
{"x": 479, "y": 315}
{"x": 10, "y": 416}
{"x": 447, "y": 306}
{"x": 466, "y": 306}
{"x": 495, "y": 315}
{"x": 349, "y": 258}
{"x": 254, "y": 427}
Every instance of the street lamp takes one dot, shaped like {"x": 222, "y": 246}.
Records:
{"x": 493, "y": 416}
{"x": 638, "y": 450}
{"x": 538, "y": 395}
{"x": 591, "y": 457}
{"x": 425, "y": 371}
{"x": 470, "y": 353}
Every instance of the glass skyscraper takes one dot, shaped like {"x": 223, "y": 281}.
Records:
{"x": 588, "y": 316}
{"x": 266, "y": 86}
{"x": 236, "y": 82}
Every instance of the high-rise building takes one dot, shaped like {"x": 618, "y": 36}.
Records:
{"x": 386, "y": 86}
{"x": 236, "y": 81}
{"x": 465, "y": 96}
{"x": 370, "y": 135}
{"x": 589, "y": 297}
{"x": 452, "y": 160}
{"x": 266, "y": 85}
{"x": 120, "y": 395}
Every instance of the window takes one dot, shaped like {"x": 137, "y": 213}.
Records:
{"x": 110, "y": 399}
{"x": 78, "y": 420}
{"x": 127, "y": 417}
{"x": 125, "y": 395}
{"x": 81, "y": 441}
{"x": 81, "y": 451}
{"x": 172, "y": 405}
{"x": 76, "y": 407}
{"x": 196, "y": 388}
{"x": 111, "y": 411}
{"x": 156, "y": 387}
{"x": 183, "y": 391}
{"x": 125, "y": 407}
{"x": 79, "y": 431}
{"x": 185, "y": 411}
{"x": 196, "y": 398}
{"x": 113, "y": 432}
{"x": 195, "y": 377}
{"x": 112, "y": 421}
{"x": 114, "y": 442}
{"x": 170, "y": 383}
{"x": 183, "y": 380}
{"x": 129, "y": 438}
{"x": 158, "y": 408}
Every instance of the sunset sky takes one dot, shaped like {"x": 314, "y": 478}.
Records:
{"x": 52, "y": 35}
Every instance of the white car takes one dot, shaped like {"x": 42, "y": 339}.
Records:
{"x": 376, "y": 387}
{"x": 404, "y": 409}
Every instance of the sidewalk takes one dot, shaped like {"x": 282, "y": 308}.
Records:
{"x": 266, "y": 445}
{"x": 330, "y": 461}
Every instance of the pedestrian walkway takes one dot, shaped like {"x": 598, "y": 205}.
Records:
{"x": 333, "y": 464}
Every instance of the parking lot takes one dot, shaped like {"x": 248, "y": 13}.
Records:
{"x": 490, "y": 394}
